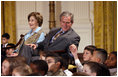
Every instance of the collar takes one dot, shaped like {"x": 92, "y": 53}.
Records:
{"x": 35, "y": 30}
{"x": 62, "y": 31}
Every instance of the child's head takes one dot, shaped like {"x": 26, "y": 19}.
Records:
{"x": 111, "y": 62}
{"x": 39, "y": 66}
{"x": 10, "y": 49}
{"x": 5, "y": 68}
{"x": 8, "y": 65}
{"x": 80, "y": 74}
{"x": 42, "y": 55}
{"x": 5, "y": 38}
{"x": 22, "y": 70}
{"x": 54, "y": 62}
{"x": 21, "y": 59}
{"x": 99, "y": 55}
{"x": 95, "y": 69}
{"x": 88, "y": 52}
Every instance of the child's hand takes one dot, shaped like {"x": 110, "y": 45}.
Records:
{"x": 73, "y": 50}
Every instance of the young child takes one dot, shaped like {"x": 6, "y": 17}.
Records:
{"x": 8, "y": 65}
{"x": 22, "y": 70}
{"x": 39, "y": 66}
{"x": 54, "y": 65}
{"x": 88, "y": 52}
{"x": 5, "y": 40}
{"x": 10, "y": 50}
{"x": 111, "y": 63}
{"x": 42, "y": 55}
{"x": 99, "y": 56}
{"x": 95, "y": 69}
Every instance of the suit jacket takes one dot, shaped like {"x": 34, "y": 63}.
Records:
{"x": 62, "y": 42}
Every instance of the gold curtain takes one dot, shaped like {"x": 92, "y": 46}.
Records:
{"x": 52, "y": 14}
{"x": 104, "y": 23}
{"x": 8, "y": 19}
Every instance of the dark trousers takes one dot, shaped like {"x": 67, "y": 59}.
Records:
{"x": 28, "y": 52}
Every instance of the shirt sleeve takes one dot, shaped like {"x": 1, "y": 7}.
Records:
{"x": 79, "y": 65}
{"x": 41, "y": 38}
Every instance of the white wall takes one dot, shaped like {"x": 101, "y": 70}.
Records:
{"x": 83, "y": 17}
{"x": 83, "y": 20}
{"x": 24, "y": 8}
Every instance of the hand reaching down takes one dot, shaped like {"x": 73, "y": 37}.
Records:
{"x": 32, "y": 46}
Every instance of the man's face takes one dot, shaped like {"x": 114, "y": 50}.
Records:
{"x": 94, "y": 58}
{"x": 65, "y": 23}
{"x": 51, "y": 64}
{"x": 4, "y": 40}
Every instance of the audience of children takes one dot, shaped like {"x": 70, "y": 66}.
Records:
{"x": 95, "y": 63}
{"x": 97, "y": 56}
{"x": 9, "y": 64}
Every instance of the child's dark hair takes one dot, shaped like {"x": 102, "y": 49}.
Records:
{"x": 90, "y": 48}
{"x": 6, "y": 35}
{"x": 56, "y": 57}
{"x": 115, "y": 53}
{"x": 99, "y": 69}
{"x": 41, "y": 65}
{"x": 102, "y": 54}
{"x": 11, "y": 45}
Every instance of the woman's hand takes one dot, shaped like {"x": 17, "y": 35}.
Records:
{"x": 32, "y": 46}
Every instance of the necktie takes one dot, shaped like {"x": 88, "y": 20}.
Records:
{"x": 57, "y": 35}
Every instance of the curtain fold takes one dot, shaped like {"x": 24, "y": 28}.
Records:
{"x": 8, "y": 20}
{"x": 104, "y": 24}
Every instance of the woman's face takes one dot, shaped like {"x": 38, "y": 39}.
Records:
{"x": 33, "y": 22}
{"x": 87, "y": 55}
{"x": 5, "y": 68}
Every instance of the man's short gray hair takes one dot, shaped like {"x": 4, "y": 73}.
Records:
{"x": 66, "y": 13}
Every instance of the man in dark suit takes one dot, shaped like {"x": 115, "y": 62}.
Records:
{"x": 60, "y": 38}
